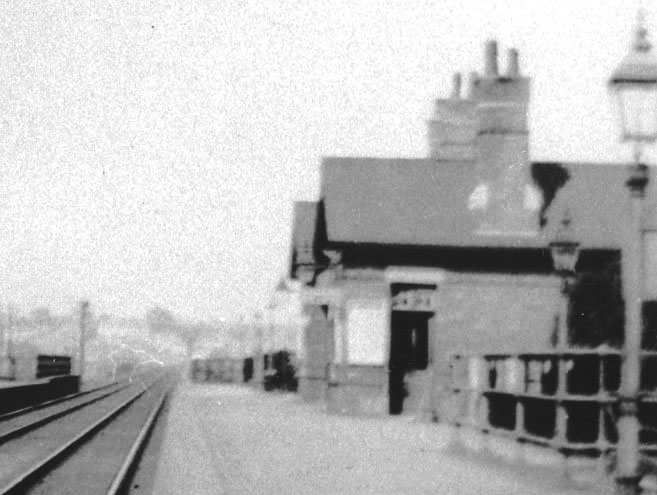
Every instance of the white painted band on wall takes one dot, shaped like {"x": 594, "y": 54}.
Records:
{"x": 414, "y": 275}
{"x": 321, "y": 296}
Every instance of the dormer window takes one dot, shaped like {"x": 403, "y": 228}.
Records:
{"x": 479, "y": 198}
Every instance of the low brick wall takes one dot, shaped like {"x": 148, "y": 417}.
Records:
{"x": 358, "y": 390}
{"x": 312, "y": 389}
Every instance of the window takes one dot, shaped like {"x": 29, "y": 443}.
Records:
{"x": 367, "y": 326}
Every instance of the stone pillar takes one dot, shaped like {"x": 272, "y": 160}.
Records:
{"x": 313, "y": 362}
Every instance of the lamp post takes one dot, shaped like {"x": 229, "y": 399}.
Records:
{"x": 564, "y": 249}
{"x": 634, "y": 84}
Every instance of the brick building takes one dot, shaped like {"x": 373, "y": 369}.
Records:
{"x": 405, "y": 261}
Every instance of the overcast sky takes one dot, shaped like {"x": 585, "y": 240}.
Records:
{"x": 151, "y": 150}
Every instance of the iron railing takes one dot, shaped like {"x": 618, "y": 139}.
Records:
{"x": 565, "y": 400}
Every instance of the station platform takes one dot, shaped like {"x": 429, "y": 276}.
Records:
{"x": 227, "y": 439}
{"x": 15, "y": 383}
{"x": 15, "y": 395}
{"x": 24, "y": 383}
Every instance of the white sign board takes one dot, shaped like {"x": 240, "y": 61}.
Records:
{"x": 414, "y": 300}
{"x": 367, "y": 332}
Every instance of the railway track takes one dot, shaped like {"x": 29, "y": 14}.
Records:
{"x": 43, "y": 405}
{"x": 91, "y": 445}
{"x": 18, "y": 423}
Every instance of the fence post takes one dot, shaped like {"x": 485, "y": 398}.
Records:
{"x": 562, "y": 390}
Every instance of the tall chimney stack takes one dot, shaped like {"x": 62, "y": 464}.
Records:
{"x": 513, "y": 69}
{"x": 453, "y": 127}
{"x": 502, "y": 162}
{"x": 491, "y": 69}
{"x": 456, "y": 86}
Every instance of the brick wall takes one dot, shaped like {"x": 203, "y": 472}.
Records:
{"x": 476, "y": 313}
{"x": 453, "y": 129}
{"x": 317, "y": 338}
{"x": 490, "y": 313}
{"x": 359, "y": 377}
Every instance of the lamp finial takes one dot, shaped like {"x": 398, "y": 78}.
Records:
{"x": 641, "y": 42}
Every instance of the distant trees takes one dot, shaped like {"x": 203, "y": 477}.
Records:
{"x": 163, "y": 321}
{"x": 41, "y": 316}
{"x": 597, "y": 310}
{"x": 189, "y": 335}
{"x": 160, "y": 320}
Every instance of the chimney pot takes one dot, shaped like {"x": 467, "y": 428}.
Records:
{"x": 456, "y": 86}
{"x": 473, "y": 81}
{"x": 513, "y": 69}
{"x": 491, "y": 59}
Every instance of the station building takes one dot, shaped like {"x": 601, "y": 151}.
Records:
{"x": 404, "y": 261}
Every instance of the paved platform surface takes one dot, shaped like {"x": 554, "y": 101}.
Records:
{"x": 229, "y": 439}
{"x": 23, "y": 383}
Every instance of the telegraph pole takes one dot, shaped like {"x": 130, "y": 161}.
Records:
{"x": 84, "y": 317}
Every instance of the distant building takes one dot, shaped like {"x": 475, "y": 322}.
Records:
{"x": 404, "y": 261}
{"x": 284, "y": 319}
{"x": 26, "y": 337}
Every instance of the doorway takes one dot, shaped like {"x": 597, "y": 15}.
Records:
{"x": 409, "y": 358}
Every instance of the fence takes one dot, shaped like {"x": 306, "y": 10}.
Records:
{"x": 565, "y": 400}
{"x": 217, "y": 370}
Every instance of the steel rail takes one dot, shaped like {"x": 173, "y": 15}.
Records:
{"x": 132, "y": 458}
{"x": 18, "y": 484}
{"x": 11, "y": 434}
{"x": 43, "y": 405}
{"x": 22, "y": 430}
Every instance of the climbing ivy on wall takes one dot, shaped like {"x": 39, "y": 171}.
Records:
{"x": 597, "y": 308}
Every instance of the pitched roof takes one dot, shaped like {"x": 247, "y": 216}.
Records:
{"x": 424, "y": 202}
{"x": 281, "y": 286}
{"x": 598, "y": 199}
{"x": 405, "y": 201}
{"x": 596, "y": 196}
{"x": 304, "y": 223}
{"x": 304, "y": 233}
{"x": 392, "y": 200}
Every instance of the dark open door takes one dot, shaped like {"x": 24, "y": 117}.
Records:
{"x": 409, "y": 352}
